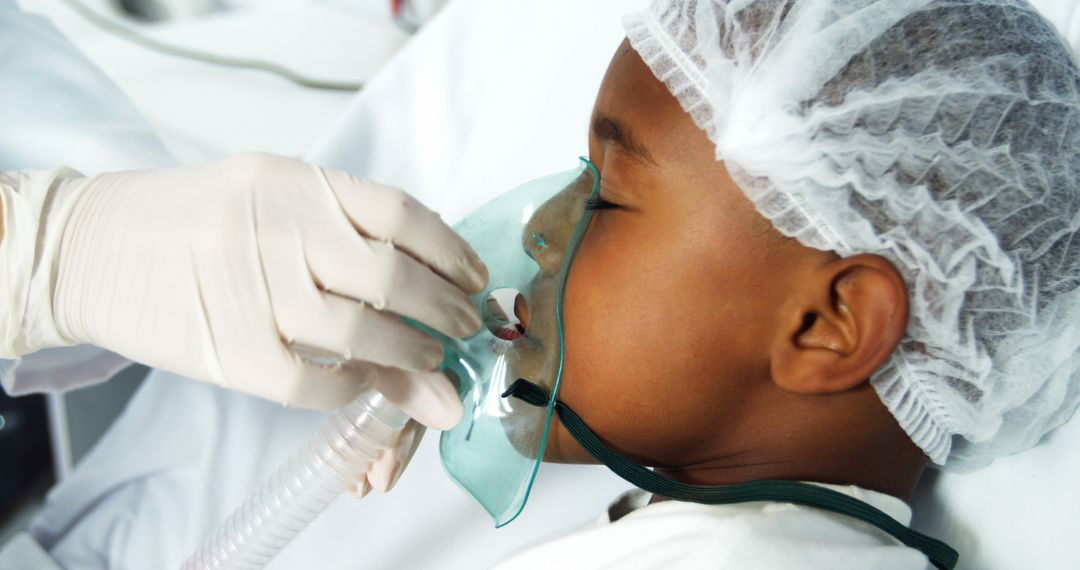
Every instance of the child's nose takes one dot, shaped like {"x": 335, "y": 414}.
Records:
{"x": 551, "y": 227}
{"x": 545, "y": 237}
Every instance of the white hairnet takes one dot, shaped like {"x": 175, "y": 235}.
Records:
{"x": 943, "y": 135}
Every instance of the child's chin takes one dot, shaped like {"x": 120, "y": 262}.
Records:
{"x": 563, "y": 448}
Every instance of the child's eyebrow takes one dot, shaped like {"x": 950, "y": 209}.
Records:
{"x": 607, "y": 129}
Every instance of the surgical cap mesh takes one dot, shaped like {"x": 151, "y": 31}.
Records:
{"x": 942, "y": 135}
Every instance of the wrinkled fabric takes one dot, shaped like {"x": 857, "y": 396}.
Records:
{"x": 759, "y": 535}
{"x": 943, "y": 135}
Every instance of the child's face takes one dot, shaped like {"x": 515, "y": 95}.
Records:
{"x": 667, "y": 304}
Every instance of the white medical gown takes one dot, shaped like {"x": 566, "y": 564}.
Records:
{"x": 759, "y": 535}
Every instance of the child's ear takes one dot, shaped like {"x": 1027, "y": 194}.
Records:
{"x": 842, "y": 323}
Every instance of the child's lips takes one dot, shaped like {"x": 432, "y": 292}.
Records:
{"x": 514, "y": 331}
{"x": 510, "y": 332}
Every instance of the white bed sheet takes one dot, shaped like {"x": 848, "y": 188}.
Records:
{"x": 204, "y": 111}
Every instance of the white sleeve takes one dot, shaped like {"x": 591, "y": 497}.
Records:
{"x": 33, "y": 225}
{"x": 26, "y": 322}
{"x": 53, "y": 370}
{"x": 33, "y": 221}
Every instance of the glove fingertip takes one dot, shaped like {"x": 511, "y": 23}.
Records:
{"x": 441, "y": 413}
{"x": 360, "y": 488}
{"x": 382, "y": 476}
{"x": 478, "y": 274}
{"x": 428, "y": 397}
{"x": 398, "y": 470}
{"x": 451, "y": 416}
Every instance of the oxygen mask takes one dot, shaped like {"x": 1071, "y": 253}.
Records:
{"x": 528, "y": 238}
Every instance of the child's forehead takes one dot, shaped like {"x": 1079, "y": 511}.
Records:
{"x": 629, "y": 84}
{"x": 635, "y": 111}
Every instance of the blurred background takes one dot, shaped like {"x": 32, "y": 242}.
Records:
{"x": 202, "y": 111}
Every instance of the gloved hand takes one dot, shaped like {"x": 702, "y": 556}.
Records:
{"x": 385, "y": 471}
{"x": 224, "y": 272}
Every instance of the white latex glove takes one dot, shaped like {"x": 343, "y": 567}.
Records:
{"x": 386, "y": 470}
{"x": 221, "y": 271}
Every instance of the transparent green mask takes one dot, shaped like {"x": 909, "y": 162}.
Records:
{"x": 527, "y": 237}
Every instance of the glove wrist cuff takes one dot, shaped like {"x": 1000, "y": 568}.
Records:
{"x": 37, "y": 206}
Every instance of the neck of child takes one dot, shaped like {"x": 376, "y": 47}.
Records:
{"x": 844, "y": 439}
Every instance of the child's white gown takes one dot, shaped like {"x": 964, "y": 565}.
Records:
{"x": 762, "y": 536}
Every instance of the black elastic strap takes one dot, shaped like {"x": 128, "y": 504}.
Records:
{"x": 941, "y": 555}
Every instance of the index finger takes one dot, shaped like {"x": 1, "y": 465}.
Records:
{"x": 390, "y": 214}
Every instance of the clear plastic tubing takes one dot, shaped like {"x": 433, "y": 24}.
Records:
{"x": 303, "y": 487}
